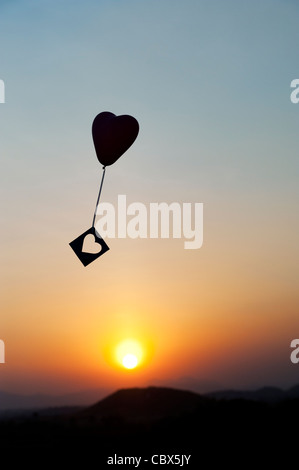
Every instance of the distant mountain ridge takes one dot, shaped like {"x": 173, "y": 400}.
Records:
{"x": 10, "y": 401}
{"x": 264, "y": 394}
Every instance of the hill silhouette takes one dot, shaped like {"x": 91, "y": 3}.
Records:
{"x": 154, "y": 420}
{"x": 143, "y": 404}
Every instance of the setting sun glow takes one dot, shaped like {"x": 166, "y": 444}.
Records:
{"x": 129, "y": 353}
{"x": 130, "y": 361}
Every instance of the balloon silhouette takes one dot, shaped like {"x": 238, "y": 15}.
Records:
{"x": 113, "y": 135}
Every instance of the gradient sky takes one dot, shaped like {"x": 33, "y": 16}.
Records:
{"x": 209, "y": 83}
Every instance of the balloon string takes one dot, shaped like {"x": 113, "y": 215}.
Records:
{"x": 98, "y": 200}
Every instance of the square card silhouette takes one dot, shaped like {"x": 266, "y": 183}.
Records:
{"x": 89, "y": 246}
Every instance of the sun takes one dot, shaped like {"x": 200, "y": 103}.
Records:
{"x": 130, "y": 361}
{"x": 129, "y": 353}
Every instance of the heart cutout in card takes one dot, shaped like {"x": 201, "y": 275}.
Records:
{"x": 89, "y": 246}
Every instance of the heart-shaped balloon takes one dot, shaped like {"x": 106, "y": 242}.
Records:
{"x": 113, "y": 135}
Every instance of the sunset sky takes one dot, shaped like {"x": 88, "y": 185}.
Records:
{"x": 209, "y": 83}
